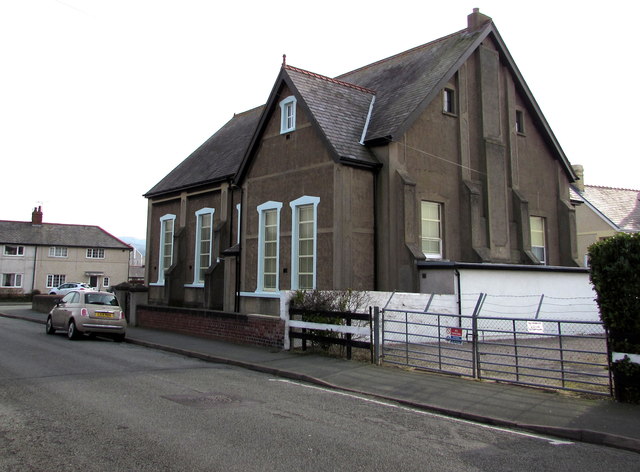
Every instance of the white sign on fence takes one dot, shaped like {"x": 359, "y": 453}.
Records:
{"x": 535, "y": 327}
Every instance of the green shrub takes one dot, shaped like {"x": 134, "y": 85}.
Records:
{"x": 615, "y": 274}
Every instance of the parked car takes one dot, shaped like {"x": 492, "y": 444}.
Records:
{"x": 88, "y": 312}
{"x": 68, "y": 287}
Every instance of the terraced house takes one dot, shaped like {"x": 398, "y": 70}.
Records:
{"x": 41, "y": 256}
{"x": 383, "y": 178}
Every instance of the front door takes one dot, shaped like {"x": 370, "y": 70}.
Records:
{"x": 93, "y": 281}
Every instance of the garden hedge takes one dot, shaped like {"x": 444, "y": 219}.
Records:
{"x": 615, "y": 274}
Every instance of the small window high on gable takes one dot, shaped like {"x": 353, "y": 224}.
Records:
{"x": 288, "y": 115}
{"x": 449, "y": 101}
{"x": 519, "y": 122}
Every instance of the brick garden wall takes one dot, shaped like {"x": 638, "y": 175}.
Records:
{"x": 257, "y": 330}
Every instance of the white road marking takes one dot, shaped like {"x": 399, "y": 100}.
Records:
{"x": 552, "y": 441}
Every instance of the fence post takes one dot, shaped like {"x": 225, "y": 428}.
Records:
{"x": 349, "y": 336}
{"x": 515, "y": 349}
{"x": 561, "y": 353}
{"x": 426, "y": 308}
{"x": 406, "y": 334}
{"x": 475, "y": 353}
{"x": 376, "y": 335}
{"x": 539, "y": 306}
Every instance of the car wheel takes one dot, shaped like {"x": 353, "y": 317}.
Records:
{"x": 49, "y": 327}
{"x": 72, "y": 331}
{"x": 119, "y": 337}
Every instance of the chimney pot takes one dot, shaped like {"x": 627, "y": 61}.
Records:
{"x": 476, "y": 19}
{"x": 579, "y": 171}
{"x": 36, "y": 216}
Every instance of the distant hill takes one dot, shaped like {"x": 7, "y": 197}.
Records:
{"x": 139, "y": 244}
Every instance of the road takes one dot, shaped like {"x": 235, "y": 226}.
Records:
{"x": 97, "y": 405}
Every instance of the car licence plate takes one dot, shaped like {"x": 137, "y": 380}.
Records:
{"x": 103, "y": 314}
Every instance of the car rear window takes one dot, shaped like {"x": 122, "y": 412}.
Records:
{"x": 100, "y": 299}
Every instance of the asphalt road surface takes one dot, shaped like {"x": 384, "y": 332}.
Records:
{"x": 97, "y": 405}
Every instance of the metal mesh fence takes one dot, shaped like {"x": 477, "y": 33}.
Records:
{"x": 564, "y": 353}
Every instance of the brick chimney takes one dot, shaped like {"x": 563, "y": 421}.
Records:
{"x": 36, "y": 216}
{"x": 579, "y": 171}
{"x": 476, "y": 20}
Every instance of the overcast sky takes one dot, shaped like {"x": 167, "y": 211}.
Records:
{"x": 100, "y": 99}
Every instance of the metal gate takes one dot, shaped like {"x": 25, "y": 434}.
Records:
{"x": 560, "y": 354}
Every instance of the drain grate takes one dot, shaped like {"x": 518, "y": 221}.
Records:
{"x": 204, "y": 400}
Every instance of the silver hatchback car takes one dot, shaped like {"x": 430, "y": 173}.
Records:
{"x": 88, "y": 312}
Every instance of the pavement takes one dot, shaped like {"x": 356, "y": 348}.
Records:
{"x": 601, "y": 421}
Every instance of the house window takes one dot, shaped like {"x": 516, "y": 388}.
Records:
{"x": 204, "y": 243}
{"x": 288, "y": 114}
{"x": 538, "y": 246}
{"x": 304, "y": 242}
{"x": 12, "y": 280}
{"x": 167, "y": 223}
{"x": 519, "y": 121}
{"x": 55, "y": 280}
{"x": 449, "y": 104}
{"x": 106, "y": 282}
{"x": 14, "y": 250}
{"x": 268, "y": 246}
{"x": 431, "y": 229}
{"x": 57, "y": 251}
{"x": 95, "y": 253}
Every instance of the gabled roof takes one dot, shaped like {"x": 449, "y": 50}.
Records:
{"x": 373, "y": 105}
{"x": 340, "y": 110}
{"x": 217, "y": 159}
{"x": 618, "y": 206}
{"x": 50, "y": 234}
{"x": 406, "y": 83}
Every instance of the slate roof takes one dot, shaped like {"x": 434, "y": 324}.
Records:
{"x": 340, "y": 109}
{"x": 403, "y": 85}
{"x": 407, "y": 80}
{"x": 216, "y": 159}
{"x": 49, "y": 234}
{"x": 620, "y": 206}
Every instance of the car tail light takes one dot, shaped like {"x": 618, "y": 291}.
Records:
{"x": 121, "y": 315}
{"x": 84, "y": 312}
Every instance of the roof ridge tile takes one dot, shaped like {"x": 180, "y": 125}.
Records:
{"x": 612, "y": 188}
{"x": 329, "y": 79}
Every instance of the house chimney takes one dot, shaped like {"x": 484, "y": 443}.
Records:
{"x": 579, "y": 171}
{"x": 36, "y": 216}
{"x": 476, "y": 20}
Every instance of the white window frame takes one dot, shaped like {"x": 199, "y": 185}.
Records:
{"x": 196, "y": 266}
{"x": 542, "y": 260}
{"x": 51, "y": 278}
{"x": 16, "y": 280}
{"x": 19, "y": 250}
{"x": 449, "y": 101}
{"x": 432, "y": 255}
{"x": 58, "y": 251}
{"x": 95, "y": 253}
{"x": 161, "y": 267}
{"x": 295, "y": 236}
{"x": 288, "y": 120}
{"x": 106, "y": 281}
{"x": 277, "y": 206}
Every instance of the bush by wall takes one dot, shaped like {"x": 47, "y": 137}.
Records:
{"x": 615, "y": 274}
